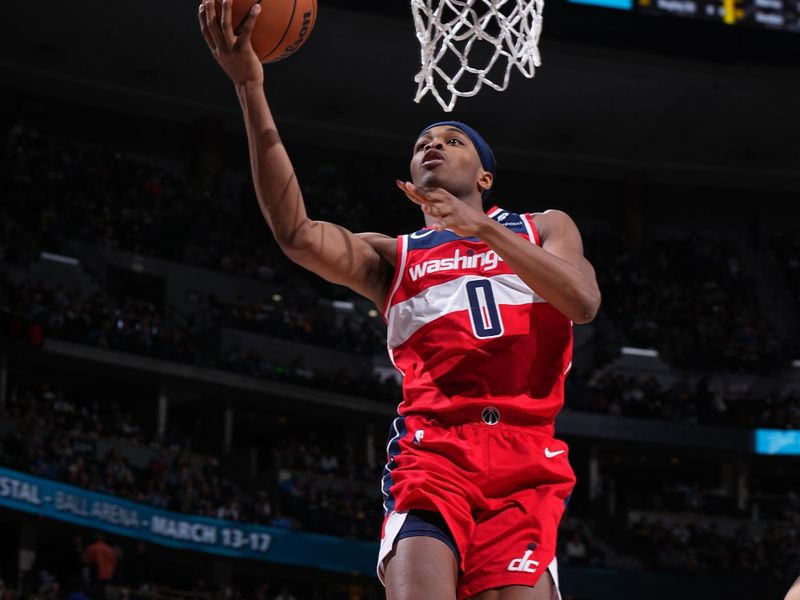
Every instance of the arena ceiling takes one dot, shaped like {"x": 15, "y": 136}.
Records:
{"x": 593, "y": 108}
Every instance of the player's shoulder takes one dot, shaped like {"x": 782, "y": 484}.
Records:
{"x": 554, "y": 223}
{"x": 551, "y": 214}
{"x": 552, "y": 218}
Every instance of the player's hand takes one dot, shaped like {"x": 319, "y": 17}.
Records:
{"x": 231, "y": 49}
{"x": 447, "y": 211}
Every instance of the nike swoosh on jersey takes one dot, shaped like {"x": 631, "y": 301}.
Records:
{"x": 549, "y": 454}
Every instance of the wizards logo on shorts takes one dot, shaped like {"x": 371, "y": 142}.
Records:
{"x": 525, "y": 563}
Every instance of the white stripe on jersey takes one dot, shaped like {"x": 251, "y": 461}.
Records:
{"x": 400, "y": 266}
{"x": 406, "y": 317}
{"x": 529, "y": 228}
{"x": 495, "y": 212}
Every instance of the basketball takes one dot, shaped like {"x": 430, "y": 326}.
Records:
{"x": 281, "y": 28}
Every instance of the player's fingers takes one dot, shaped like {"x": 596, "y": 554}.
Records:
{"x": 201, "y": 15}
{"x": 212, "y": 22}
{"x": 243, "y": 33}
{"x": 402, "y": 187}
{"x": 412, "y": 193}
{"x": 416, "y": 199}
{"x": 225, "y": 22}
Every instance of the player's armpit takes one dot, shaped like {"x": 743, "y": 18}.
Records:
{"x": 342, "y": 257}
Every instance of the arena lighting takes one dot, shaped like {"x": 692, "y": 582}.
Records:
{"x": 631, "y": 351}
{"x": 60, "y": 258}
{"x": 783, "y": 442}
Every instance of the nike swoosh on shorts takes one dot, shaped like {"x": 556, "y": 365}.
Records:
{"x": 549, "y": 454}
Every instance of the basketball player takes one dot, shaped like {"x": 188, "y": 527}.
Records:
{"x": 476, "y": 484}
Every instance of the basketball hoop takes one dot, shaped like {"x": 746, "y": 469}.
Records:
{"x": 495, "y": 35}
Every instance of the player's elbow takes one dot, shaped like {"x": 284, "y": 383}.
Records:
{"x": 296, "y": 242}
{"x": 587, "y": 307}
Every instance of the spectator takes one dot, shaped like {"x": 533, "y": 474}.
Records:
{"x": 576, "y": 550}
{"x": 102, "y": 560}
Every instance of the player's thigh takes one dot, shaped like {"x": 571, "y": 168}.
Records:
{"x": 421, "y": 567}
{"x": 544, "y": 590}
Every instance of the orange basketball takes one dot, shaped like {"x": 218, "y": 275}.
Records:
{"x": 281, "y": 28}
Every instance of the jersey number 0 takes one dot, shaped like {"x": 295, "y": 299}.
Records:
{"x": 483, "y": 311}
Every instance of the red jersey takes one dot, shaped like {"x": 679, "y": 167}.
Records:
{"x": 466, "y": 332}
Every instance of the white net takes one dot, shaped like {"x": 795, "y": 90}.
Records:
{"x": 468, "y": 43}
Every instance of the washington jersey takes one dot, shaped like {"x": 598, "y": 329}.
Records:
{"x": 465, "y": 331}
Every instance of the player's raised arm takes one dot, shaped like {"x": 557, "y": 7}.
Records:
{"x": 328, "y": 250}
{"x": 557, "y": 270}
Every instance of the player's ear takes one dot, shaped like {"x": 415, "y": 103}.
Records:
{"x": 485, "y": 181}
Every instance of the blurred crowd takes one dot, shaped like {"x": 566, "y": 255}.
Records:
{"x": 786, "y": 247}
{"x": 690, "y": 298}
{"x": 97, "y": 319}
{"x": 141, "y": 327}
{"x": 696, "y": 547}
{"x": 93, "y": 566}
{"x": 196, "y": 211}
{"x": 685, "y": 544}
{"x": 137, "y": 325}
{"x": 307, "y": 485}
{"x": 698, "y": 403}
{"x": 307, "y": 321}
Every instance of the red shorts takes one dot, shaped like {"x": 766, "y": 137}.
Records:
{"x": 501, "y": 489}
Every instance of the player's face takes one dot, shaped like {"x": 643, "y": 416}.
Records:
{"x": 445, "y": 157}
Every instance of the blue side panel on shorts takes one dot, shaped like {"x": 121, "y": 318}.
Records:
{"x": 429, "y": 524}
{"x": 396, "y": 433}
